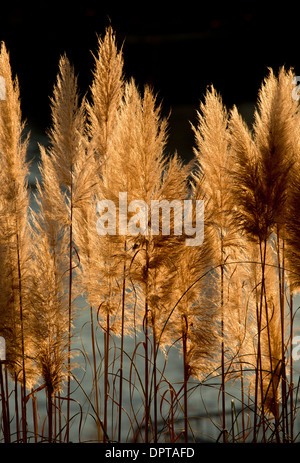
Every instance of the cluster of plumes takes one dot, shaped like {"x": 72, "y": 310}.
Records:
{"x": 225, "y": 291}
{"x": 15, "y": 236}
{"x": 114, "y": 143}
{"x": 250, "y": 178}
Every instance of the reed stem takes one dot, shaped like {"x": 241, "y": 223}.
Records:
{"x": 34, "y": 418}
{"x": 147, "y": 411}
{"x": 185, "y": 376}
{"x": 280, "y": 260}
{"x": 122, "y": 349}
{"x": 106, "y": 365}
{"x": 50, "y": 413}
{"x": 69, "y": 322}
{"x": 223, "y": 353}
{"x": 258, "y": 370}
{"x": 96, "y": 398}
{"x": 5, "y": 418}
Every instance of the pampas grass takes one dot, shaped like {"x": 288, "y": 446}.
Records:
{"x": 224, "y": 308}
{"x": 212, "y": 153}
{"x": 15, "y": 236}
{"x": 70, "y": 183}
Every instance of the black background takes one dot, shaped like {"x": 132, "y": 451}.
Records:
{"x": 179, "y": 48}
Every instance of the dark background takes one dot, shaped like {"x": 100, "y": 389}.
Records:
{"x": 179, "y": 50}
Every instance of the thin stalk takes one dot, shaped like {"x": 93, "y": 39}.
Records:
{"x": 7, "y": 395}
{"x": 258, "y": 372}
{"x": 171, "y": 426}
{"x": 154, "y": 380}
{"x": 106, "y": 360}
{"x": 146, "y": 375}
{"x": 17, "y": 409}
{"x": 122, "y": 349}
{"x": 147, "y": 414}
{"x": 223, "y": 353}
{"x": 55, "y": 417}
{"x": 283, "y": 368}
{"x": 34, "y": 418}
{"x": 291, "y": 373}
{"x": 113, "y": 394}
{"x": 272, "y": 370}
{"x": 70, "y": 315}
{"x": 50, "y": 413}
{"x": 23, "y": 389}
{"x": 263, "y": 254}
{"x": 96, "y": 398}
{"x": 24, "y": 420}
{"x": 185, "y": 377}
{"x": 59, "y": 417}
{"x": 233, "y": 419}
{"x": 4, "y": 409}
{"x": 243, "y": 401}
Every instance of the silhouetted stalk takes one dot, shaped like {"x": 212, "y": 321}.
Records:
{"x": 23, "y": 389}
{"x": 59, "y": 417}
{"x": 280, "y": 260}
{"x": 17, "y": 409}
{"x": 106, "y": 362}
{"x": 146, "y": 375}
{"x": 113, "y": 394}
{"x": 243, "y": 402}
{"x": 96, "y": 398}
{"x": 55, "y": 418}
{"x": 5, "y": 418}
{"x": 69, "y": 318}
{"x": 171, "y": 426}
{"x": 34, "y": 418}
{"x": 291, "y": 392}
{"x": 258, "y": 371}
{"x": 50, "y": 413}
{"x": 223, "y": 353}
{"x": 122, "y": 349}
{"x": 272, "y": 369}
{"x": 185, "y": 376}
{"x": 7, "y": 395}
{"x": 24, "y": 418}
{"x": 263, "y": 254}
{"x": 147, "y": 414}
{"x": 154, "y": 379}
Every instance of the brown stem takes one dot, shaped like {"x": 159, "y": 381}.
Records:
{"x": 23, "y": 389}
{"x": 106, "y": 360}
{"x": 122, "y": 350}
{"x": 95, "y": 375}
{"x": 185, "y": 377}
{"x": 34, "y": 417}
{"x": 258, "y": 371}
{"x": 50, "y": 413}
{"x": 17, "y": 408}
{"x": 4, "y": 409}
{"x": 283, "y": 367}
{"x": 291, "y": 373}
{"x": 69, "y": 318}
{"x": 223, "y": 356}
{"x": 147, "y": 414}
{"x": 154, "y": 379}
